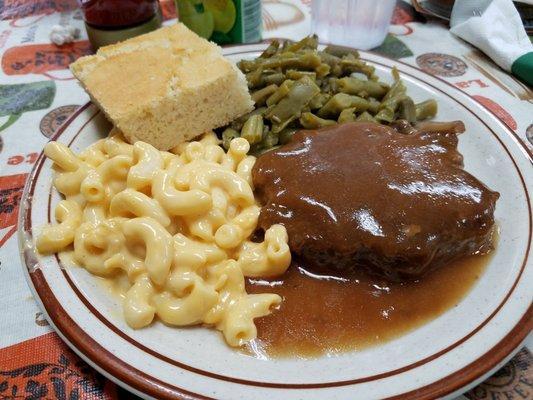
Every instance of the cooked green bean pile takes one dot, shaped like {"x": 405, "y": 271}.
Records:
{"x": 296, "y": 86}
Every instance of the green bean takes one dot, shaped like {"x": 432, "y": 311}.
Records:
{"x": 390, "y": 102}
{"x": 333, "y": 86}
{"x": 351, "y": 85}
{"x": 238, "y": 123}
{"x": 294, "y": 85}
{"x": 269, "y": 140}
{"x": 426, "y": 109}
{"x": 276, "y": 79}
{"x": 324, "y": 86}
{"x": 309, "y": 42}
{"x": 277, "y": 127}
{"x": 266, "y": 129}
{"x": 322, "y": 70}
{"x": 347, "y": 115}
{"x": 336, "y": 71}
{"x": 280, "y": 93}
{"x": 329, "y": 59}
{"x": 318, "y": 101}
{"x": 407, "y": 110}
{"x": 395, "y": 94}
{"x": 287, "y": 54}
{"x": 285, "y": 44}
{"x": 295, "y": 75}
{"x": 259, "y": 96}
{"x": 395, "y": 74}
{"x": 227, "y": 136}
{"x": 254, "y": 78}
{"x": 373, "y": 105}
{"x": 335, "y": 105}
{"x": 365, "y": 117}
{"x": 252, "y": 129}
{"x": 341, "y": 101}
{"x": 270, "y": 50}
{"x": 308, "y": 61}
{"x": 350, "y": 66}
{"x": 290, "y": 107}
{"x": 286, "y": 135}
{"x": 385, "y": 115}
{"x": 340, "y": 51}
{"x": 246, "y": 65}
{"x": 311, "y": 121}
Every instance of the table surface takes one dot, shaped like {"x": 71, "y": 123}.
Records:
{"x": 37, "y": 93}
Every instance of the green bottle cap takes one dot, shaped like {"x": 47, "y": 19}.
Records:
{"x": 522, "y": 68}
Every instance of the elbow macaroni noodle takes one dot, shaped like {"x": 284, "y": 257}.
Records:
{"x": 176, "y": 223}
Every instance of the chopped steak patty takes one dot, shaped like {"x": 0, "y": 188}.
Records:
{"x": 363, "y": 195}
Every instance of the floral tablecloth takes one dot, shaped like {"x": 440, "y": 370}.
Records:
{"x": 37, "y": 93}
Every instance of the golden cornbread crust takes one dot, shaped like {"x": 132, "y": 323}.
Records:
{"x": 164, "y": 87}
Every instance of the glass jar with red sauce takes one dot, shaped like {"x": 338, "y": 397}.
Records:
{"x": 111, "y": 21}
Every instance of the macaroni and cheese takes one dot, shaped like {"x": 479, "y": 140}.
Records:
{"x": 176, "y": 223}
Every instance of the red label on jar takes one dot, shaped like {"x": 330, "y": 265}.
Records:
{"x": 118, "y": 13}
{"x": 168, "y": 9}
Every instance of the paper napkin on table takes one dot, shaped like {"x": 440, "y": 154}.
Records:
{"x": 495, "y": 27}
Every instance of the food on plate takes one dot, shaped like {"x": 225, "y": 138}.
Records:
{"x": 296, "y": 86}
{"x": 164, "y": 87}
{"x": 370, "y": 197}
{"x": 363, "y": 195}
{"x": 175, "y": 224}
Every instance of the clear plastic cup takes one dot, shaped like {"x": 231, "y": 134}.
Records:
{"x": 362, "y": 24}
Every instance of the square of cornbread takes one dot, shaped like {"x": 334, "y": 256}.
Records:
{"x": 164, "y": 87}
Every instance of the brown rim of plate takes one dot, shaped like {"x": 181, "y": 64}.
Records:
{"x": 138, "y": 380}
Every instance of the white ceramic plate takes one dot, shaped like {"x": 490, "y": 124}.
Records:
{"x": 439, "y": 359}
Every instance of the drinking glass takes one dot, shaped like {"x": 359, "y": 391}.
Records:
{"x": 362, "y": 24}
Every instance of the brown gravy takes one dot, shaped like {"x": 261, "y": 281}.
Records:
{"x": 320, "y": 316}
{"x": 362, "y": 195}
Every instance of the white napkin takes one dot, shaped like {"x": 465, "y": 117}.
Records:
{"x": 495, "y": 27}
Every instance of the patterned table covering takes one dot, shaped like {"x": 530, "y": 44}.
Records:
{"x": 37, "y": 93}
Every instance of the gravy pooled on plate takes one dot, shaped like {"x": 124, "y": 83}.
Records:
{"x": 332, "y": 314}
{"x": 363, "y": 195}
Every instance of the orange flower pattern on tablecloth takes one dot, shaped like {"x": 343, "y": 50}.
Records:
{"x": 45, "y": 368}
{"x": 41, "y": 58}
